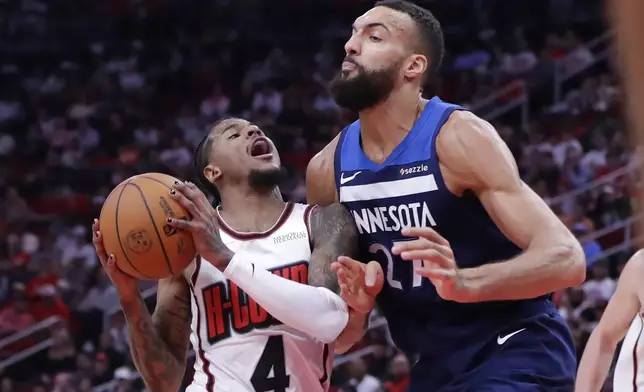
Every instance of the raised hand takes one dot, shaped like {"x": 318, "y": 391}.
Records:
{"x": 202, "y": 226}
{"x": 359, "y": 283}
{"x": 127, "y": 286}
{"x": 438, "y": 264}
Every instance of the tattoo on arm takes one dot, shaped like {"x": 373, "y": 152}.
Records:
{"x": 334, "y": 234}
{"x": 159, "y": 343}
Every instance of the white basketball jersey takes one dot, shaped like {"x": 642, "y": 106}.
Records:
{"x": 629, "y": 371}
{"x": 239, "y": 346}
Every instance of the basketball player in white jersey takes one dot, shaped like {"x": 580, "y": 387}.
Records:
{"x": 622, "y": 319}
{"x": 244, "y": 303}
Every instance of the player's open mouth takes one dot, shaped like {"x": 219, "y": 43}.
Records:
{"x": 261, "y": 148}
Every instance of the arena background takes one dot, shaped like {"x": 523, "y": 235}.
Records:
{"x": 92, "y": 92}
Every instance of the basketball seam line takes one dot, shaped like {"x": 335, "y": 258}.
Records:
{"x": 155, "y": 180}
{"x": 118, "y": 234}
{"x": 145, "y": 202}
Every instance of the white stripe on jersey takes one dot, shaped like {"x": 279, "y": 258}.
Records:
{"x": 629, "y": 371}
{"x": 239, "y": 346}
{"x": 388, "y": 189}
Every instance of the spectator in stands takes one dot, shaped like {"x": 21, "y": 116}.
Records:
{"x": 600, "y": 286}
{"x": 64, "y": 382}
{"x": 85, "y": 385}
{"x": 15, "y": 317}
{"x": 61, "y": 356}
{"x": 125, "y": 378}
{"x": 102, "y": 371}
{"x": 398, "y": 377}
{"x": 78, "y": 248}
{"x": 579, "y": 56}
{"x": 48, "y": 304}
{"x": 100, "y": 297}
{"x": 591, "y": 247}
{"x": 16, "y": 208}
{"x": 359, "y": 379}
{"x": 114, "y": 346}
{"x": 6, "y": 385}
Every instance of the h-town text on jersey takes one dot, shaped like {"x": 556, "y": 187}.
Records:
{"x": 230, "y": 308}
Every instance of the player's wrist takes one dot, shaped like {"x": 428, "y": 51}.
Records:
{"x": 221, "y": 258}
{"x": 358, "y": 313}
{"x": 129, "y": 298}
{"x": 471, "y": 284}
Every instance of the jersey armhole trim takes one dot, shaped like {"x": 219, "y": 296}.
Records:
{"x": 307, "y": 223}
{"x": 337, "y": 161}
{"x": 195, "y": 273}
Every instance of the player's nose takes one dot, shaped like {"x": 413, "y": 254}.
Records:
{"x": 352, "y": 46}
{"x": 253, "y": 130}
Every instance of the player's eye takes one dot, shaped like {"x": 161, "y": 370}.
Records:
{"x": 374, "y": 38}
{"x": 233, "y": 136}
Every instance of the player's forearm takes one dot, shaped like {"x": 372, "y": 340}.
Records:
{"x": 533, "y": 273}
{"x": 315, "y": 311}
{"x": 594, "y": 364}
{"x": 353, "y": 332}
{"x": 159, "y": 368}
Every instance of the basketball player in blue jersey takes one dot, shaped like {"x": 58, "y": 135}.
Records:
{"x": 470, "y": 252}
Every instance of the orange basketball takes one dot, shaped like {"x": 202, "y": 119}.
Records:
{"x": 134, "y": 226}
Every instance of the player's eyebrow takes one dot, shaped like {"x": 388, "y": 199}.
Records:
{"x": 371, "y": 26}
{"x": 230, "y": 127}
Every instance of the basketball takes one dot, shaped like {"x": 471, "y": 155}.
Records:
{"x": 133, "y": 223}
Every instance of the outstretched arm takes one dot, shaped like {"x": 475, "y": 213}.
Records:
{"x": 321, "y": 190}
{"x": 159, "y": 343}
{"x": 620, "y": 312}
{"x": 316, "y": 308}
{"x": 473, "y": 156}
{"x": 334, "y": 233}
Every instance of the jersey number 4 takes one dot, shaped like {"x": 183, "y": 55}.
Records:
{"x": 272, "y": 359}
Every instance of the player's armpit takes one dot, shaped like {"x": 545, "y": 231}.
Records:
{"x": 334, "y": 234}
{"x": 159, "y": 343}
{"x": 613, "y": 326}
{"x": 474, "y": 157}
{"x": 320, "y": 180}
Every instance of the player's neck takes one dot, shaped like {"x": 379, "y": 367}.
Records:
{"x": 385, "y": 125}
{"x": 251, "y": 211}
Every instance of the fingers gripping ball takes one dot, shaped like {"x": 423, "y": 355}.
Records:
{"x": 134, "y": 227}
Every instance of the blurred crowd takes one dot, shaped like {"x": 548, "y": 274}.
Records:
{"x": 94, "y": 92}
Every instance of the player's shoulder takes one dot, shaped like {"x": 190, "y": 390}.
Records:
{"x": 324, "y": 159}
{"x": 320, "y": 175}
{"x": 465, "y": 135}
{"x": 635, "y": 265}
{"x": 463, "y": 124}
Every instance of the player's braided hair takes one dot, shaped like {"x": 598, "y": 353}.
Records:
{"x": 201, "y": 159}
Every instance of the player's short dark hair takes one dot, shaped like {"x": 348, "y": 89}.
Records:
{"x": 431, "y": 42}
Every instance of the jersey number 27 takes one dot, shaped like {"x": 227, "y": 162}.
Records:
{"x": 417, "y": 279}
{"x": 272, "y": 358}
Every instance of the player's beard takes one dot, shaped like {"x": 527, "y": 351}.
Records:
{"x": 365, "y": 89}
{"x": 266, "y": 180}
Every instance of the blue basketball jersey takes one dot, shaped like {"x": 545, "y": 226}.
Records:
{"x": 408, "y": 190}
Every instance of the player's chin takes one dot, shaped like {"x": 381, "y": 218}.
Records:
{"x": 264, "y": 164}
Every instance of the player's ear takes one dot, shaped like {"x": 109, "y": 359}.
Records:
{"x": 416, "y": 66}
{"x": 212, "y": 173}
